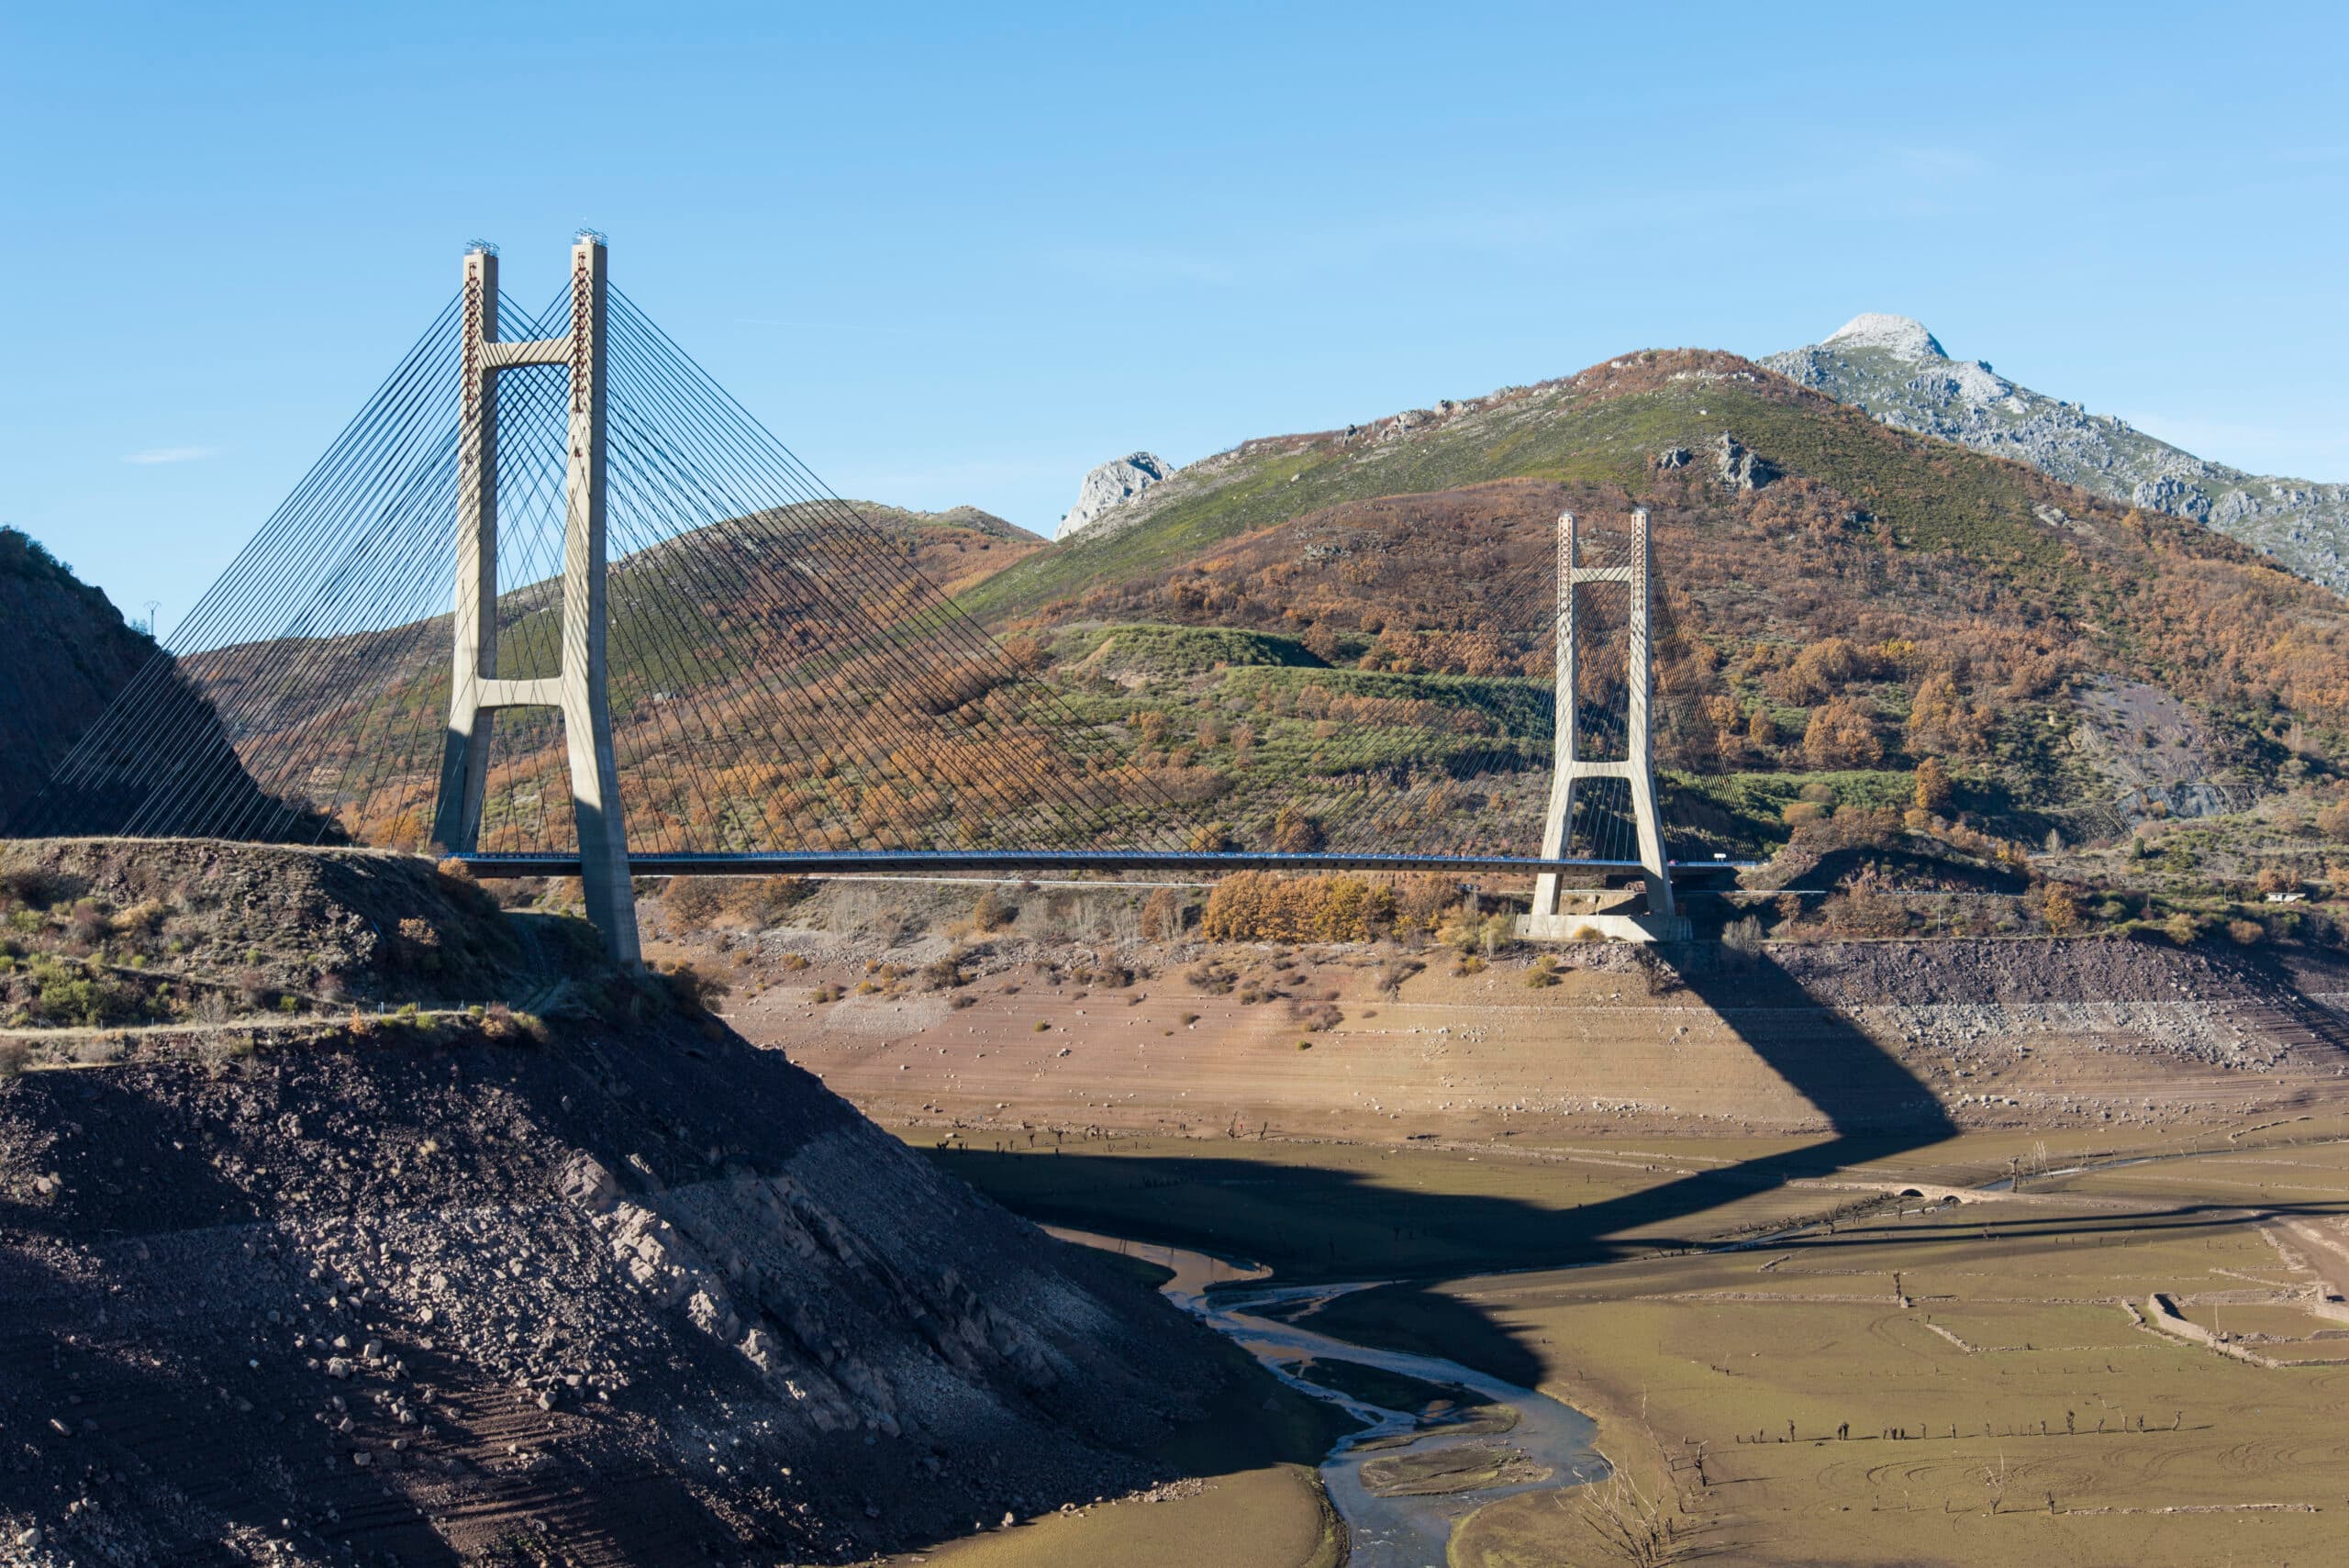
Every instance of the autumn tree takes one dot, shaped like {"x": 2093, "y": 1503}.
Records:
{"x": 1841, "y": 734}
{"x": 1818, "y": 672}
{"x": 1942, "y": 720}
{"x": 1026, "y": 651}
{"x": 1933, "y": 789}
{"x": 1161, "y": 916}
{"x": 993, "y": 911}
{"x": 1721, "y": 711}
{"x": 1295, "y": 832}
{"x": 692, "y": 901}
{"x": 1259, "y": 907}
{"x": 1211, "y": 839}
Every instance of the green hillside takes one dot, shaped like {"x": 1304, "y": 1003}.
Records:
{"x": 1604, "y": 427}
{"x": 1863, "y": 601}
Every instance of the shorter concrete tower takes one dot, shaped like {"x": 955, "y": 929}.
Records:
{"x": 1561, "y": 914}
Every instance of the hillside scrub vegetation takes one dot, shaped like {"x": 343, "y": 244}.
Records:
{"x": 1345, "y": 639}
{"x": 97, "y": 933}
{"x": 2064, "y": 666}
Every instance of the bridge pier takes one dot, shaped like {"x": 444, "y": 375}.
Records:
{"x": 1561, "y": 914}
{"x": 581, "y": 692}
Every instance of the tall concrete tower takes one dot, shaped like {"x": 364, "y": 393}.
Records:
{"x": 580, "y": 692}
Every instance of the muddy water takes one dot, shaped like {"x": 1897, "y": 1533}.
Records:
{"x": 1384, "y": 1532}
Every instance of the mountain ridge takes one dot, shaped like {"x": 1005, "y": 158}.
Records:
{"x": 1892, "y": 368}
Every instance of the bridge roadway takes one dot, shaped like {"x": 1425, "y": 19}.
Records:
{"x": 1023, "y": 861}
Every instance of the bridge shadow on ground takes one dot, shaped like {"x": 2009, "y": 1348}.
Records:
{"x": 1311, "y": 1222}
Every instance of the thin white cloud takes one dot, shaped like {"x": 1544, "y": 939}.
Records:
{"x": 172, "y": 455}
{"x": 828, "y": 326}
{"x": 1141, "y": 266}
{"x": 1938, "y": 162}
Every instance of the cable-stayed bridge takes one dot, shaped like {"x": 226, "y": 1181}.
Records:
{"x": 555, "y": 603}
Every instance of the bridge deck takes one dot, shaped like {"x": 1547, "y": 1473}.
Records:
{"x": 805, "y": 862}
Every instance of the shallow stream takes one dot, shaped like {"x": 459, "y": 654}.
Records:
{"x": 1547, "y": 1445}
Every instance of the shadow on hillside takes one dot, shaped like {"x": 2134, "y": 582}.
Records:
{"x": 1906, "y": 869}
{"x": 157, "y": 1293}
{"x": 1318, "y": 1223}
{"x": 153, "y": 1418}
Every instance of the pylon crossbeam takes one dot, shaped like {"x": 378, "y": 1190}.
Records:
{"x": 532, "y": 351}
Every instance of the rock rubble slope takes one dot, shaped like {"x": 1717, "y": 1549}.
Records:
{"x": 1896, "y": 370}
{"x": 636, "y": 1287}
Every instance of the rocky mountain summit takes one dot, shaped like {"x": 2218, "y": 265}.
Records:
{"x": 1896, "y": 370}
{"x": 1111, "y": 485}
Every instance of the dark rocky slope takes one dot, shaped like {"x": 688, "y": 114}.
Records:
{"x": 623, "y": 1282}
{"x": 66, "y": 657}
{"x": 65, "y": 651}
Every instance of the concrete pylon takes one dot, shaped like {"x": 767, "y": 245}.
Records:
{"x": 1661, "y": 921}
{"x": 581, "y": 690}
{"x": 464, "y": 752}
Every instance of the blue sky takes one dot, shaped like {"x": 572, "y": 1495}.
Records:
{"x": 960, "y": 254}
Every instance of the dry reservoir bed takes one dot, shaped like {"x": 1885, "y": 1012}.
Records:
{"x": 1926, "y": 1381}
{"x": 1721, "y": 1215}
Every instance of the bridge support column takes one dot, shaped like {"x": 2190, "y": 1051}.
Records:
{"x": 587, "y": 684}
{"x": 582, "y": 691}
{"x": 464, "y": 752}
{"x": 1661, "y": 921}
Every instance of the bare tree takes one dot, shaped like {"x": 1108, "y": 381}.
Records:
{"x": 1743, "y": 938}
{"x": 1632, "y": 1528}
{"x": 1995, "y": 1477}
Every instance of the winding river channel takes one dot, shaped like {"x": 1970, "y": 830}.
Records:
{"x": 1401, "y": 1482}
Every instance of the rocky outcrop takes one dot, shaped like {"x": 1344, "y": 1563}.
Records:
{"x": 1738, "y": 466}
{"x": 1901, "y": 336}
{"x": 1896, "y": 370}
{"x": 1111, "y": 485}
